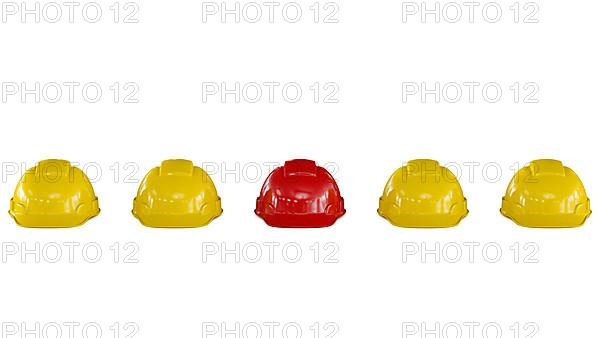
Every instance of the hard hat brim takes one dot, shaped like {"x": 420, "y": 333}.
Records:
{"x": 300, "y": 220}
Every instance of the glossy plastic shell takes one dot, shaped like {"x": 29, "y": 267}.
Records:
{"x": 53, "y": 194}
{"x": 300, "y": 195}
{"x": 546, "y": 194}
{"x": 177, "y": 195}
{"x": 423, "y": 194}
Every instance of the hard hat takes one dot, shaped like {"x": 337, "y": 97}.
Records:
{"x": 423, "y": 194}
{"x": 177, "y": 195}
{"x": 546, "y": 194}
{"x": 53, "y": 194}
{"x": 300, "y": 195}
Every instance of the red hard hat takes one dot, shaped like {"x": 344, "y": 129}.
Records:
{"x": 300, "y": 195}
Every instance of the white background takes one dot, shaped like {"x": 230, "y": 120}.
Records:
{"x": 370, "y": 292}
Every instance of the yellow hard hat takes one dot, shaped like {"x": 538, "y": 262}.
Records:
{"x": 177, "y": 195}
{"x": 423, "y": 194}
{"x": 53, "y": 194}
{"x": 546, "y": 194}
